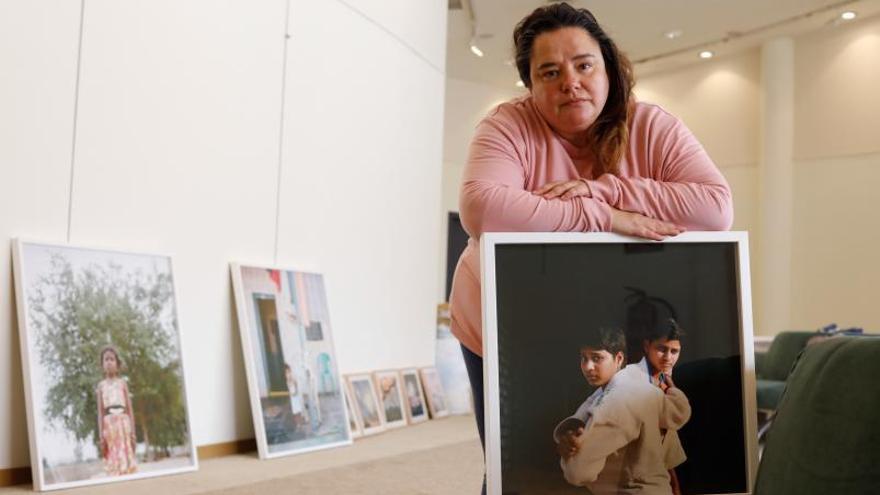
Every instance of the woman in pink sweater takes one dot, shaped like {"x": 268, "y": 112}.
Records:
{"x": 577, "y": 154}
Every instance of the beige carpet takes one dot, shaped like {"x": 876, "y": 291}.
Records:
{"x": 454, "y": 469}
{"x": 437, "y": 457}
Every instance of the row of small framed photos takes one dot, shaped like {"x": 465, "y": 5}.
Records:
{"x": 392, "y": 399}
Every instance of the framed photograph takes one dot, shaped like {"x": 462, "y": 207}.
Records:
{"x": 437, "y": 405}
{"x": 354, "y": 423}
{"x": 416, "y": 408}
{"x": 366, "y": 405}
{"x": 615, "y": 364}
{"x": 102, "y": 364}
{"x": 449, "y": 363}
{"x": 295, "y": 389}
{"x": 390, "y": 395}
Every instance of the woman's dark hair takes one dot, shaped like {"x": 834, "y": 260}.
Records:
{"x": 609, "y": 135}
{"x": 111, "y": 349}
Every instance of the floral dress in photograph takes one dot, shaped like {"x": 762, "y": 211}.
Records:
{"x": 116, "y": 428}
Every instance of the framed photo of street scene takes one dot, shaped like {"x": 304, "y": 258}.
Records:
{"x": 102, "y": 365}
{"x": 618, "y": 365}
{"x": 295, "y": 389}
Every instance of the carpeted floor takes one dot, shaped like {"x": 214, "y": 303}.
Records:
{"x": 454, "y": 469}
{"x": 437, "y": 457}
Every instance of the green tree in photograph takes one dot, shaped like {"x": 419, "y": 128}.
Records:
{"x": 75, "y": 314}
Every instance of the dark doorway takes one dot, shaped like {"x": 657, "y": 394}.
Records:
{"x": 456, "y": 240}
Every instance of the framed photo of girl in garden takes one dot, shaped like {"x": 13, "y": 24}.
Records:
{"x": 618, "y": 365}
{"x": 103, "y": 371}
{"x": 295, "y": 389}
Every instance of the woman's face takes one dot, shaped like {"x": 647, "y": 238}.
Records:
{"x": 109, "y": 362}
{"x": 569, "y": 81}
{"x": 662, "y": 354}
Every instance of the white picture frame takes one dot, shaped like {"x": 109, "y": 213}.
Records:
{"x": 354, "y": 422}
{"x": 391, "y": 399}
{"x": 414, "y": 396}
{"x": 296, "y": 392}
{"x": 77, "y": 306}
{"x": 554, "y": 285}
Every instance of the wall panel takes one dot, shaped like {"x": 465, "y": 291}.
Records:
{"x": 360, "y": 191}
{"x": 38, "y": 51}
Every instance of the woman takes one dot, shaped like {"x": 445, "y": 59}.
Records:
{"x": 576, "y": 154}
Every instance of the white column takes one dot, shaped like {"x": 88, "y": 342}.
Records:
{"x": 773, "y": 298}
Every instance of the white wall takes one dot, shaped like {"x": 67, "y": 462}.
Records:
{"x": 837, "y": 170}
{"x": 177, "y": 151}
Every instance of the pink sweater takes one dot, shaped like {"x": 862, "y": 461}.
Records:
{"x": 665, "y": 173}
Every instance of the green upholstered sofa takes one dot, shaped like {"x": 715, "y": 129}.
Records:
{"x": 772, "y": 367}
{"x": 825, "y": 439}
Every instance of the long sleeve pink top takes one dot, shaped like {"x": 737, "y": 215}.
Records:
{"x": 665, "y": 173}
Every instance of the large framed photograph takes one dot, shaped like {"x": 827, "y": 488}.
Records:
{"x": 618, "y": 365}
{"x": 449, "y": 363}
{"x": 103, "y": 370}
{"x": 295, "y": 389}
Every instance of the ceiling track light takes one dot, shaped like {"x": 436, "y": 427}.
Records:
{"x": 475, "y": 49}
{"x": 848, "y": 15}
{"x": 706, "y": 54}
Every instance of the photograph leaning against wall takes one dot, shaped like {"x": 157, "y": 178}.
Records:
{"x": 295, "y": 388}
{"x": 102, "y": 365}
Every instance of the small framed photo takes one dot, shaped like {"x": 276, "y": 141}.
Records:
{"x": 390, "y": 395}
{"x": 354, "y": 422}
{"x": 295, "y": 389}
{"x": 103, "y": 367}
{"x": 414, "y": 396}
{"x": 434, "y": 393}
{"x": 618, "y": 365}
{"x": 366, "y": 404}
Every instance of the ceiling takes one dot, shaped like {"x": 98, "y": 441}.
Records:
{"x": 638, "y": 27}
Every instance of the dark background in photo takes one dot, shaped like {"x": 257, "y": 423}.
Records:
{"x": 549, "y": 296}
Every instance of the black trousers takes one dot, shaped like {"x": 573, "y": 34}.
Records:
{"x": 474, "y": 365}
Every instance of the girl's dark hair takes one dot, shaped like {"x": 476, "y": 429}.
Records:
{"x": 609, "y": 135}
{"x": 105, "y": 350}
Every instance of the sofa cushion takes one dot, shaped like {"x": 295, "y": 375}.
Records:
{"x": 826, "y": 435}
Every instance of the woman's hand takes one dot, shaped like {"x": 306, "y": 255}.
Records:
{"x": 563, "y": 189}
{"x": 634, "y": 224}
